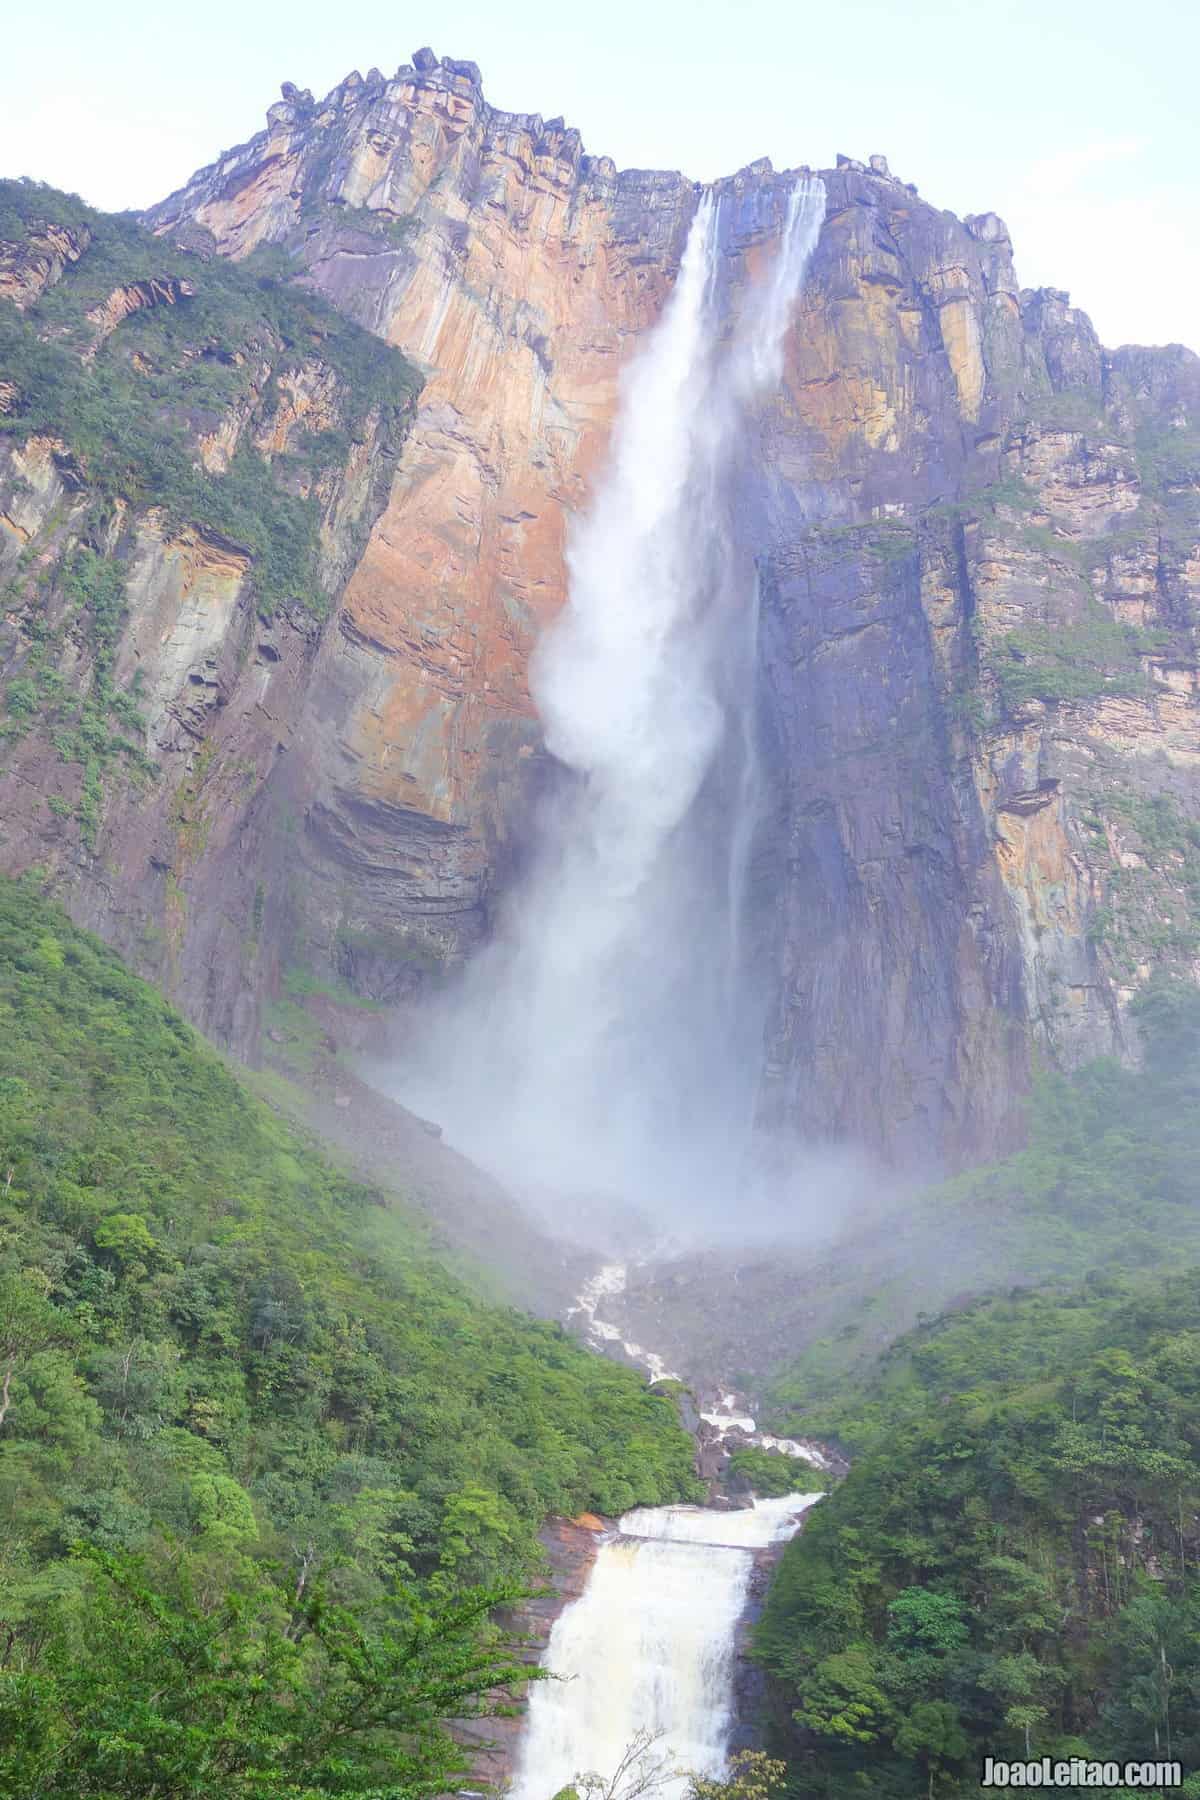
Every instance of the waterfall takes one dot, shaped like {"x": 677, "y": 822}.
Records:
{"x": 649, "y": 1646}
{"x": 605, "y": 1045}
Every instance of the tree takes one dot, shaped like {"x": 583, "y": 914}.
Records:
{"x": 28, "y": 1323}
{"x": 1153, "y": 1637}
{"x": 1019, "y": 1678}
{"x": 127, "y": 1237}
{"x": 933, "y": 1735}
{"x": 640, "y": 1772}
{"x": 1023, "y": 1718}
{"x": 921, "y": 1620}
{"x": 752, "y": 1776}
{"x": 842, "y": 1699}
{"x": 141, "y": 1692}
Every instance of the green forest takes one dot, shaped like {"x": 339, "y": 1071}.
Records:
{"x": 1012, "y": 1565}
{"x": 265, "y": 1467}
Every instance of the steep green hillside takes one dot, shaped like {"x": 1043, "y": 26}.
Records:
{"x": 221, "y": 1354}
{"x": 1013, "y": 1563}
{"x": 1014, "y": 1559}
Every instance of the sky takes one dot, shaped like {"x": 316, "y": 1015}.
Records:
{"x": 1075, "y": 120}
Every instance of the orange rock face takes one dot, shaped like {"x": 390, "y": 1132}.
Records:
{"x": 929, "y": 886}
{"x": 977, "y": 540}
{"x": 484, "y": 244}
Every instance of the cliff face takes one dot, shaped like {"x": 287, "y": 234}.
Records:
{"x": 984, "y": 698}
{"x": 978, "y": 538}
{"x": 980, "y": 605}
{"x": 511, "y": 269}
{"x": 191, "y": 465}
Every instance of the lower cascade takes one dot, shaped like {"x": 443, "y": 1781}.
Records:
{"x": 649, "y": 1646}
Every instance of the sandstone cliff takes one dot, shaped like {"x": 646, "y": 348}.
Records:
{"x": 978, "y": 541}
{"x": 193, "y": 461}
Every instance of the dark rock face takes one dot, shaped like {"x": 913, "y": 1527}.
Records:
{"x": 978, "y": 543}
{"x": 898, "y": 1005}
{"x": 979, "y": 594}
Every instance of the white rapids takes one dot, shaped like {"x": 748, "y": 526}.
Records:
{"x": 725, "y": 1418}
{"x": 649, "y": 1646}
{"x": 604, "y": 1285}
{"x": 607, "y": 1284}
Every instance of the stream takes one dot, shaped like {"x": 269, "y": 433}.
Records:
{"x": 613, "y": 1023}
{"x": 649, "y": 1646}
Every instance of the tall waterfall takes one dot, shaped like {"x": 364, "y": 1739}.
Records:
{"x": 649, "y": 1647}
{"x": 605, "y": 1046}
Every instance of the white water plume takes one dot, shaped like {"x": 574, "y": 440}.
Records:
{"x": 649, "y": 1646}
{"x": 606, "y": 1045}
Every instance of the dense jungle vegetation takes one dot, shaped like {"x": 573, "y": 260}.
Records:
{"x": 264, "y": 1465}
{"x": 1012, "y": 1565}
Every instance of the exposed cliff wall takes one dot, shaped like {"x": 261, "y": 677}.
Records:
{"x": 978, "y": 538}
{"x": 980, "y": 584}
{"x": 976, "y": 534}
{"x": 512, "y": 269}
{"x": 191, "y": 463}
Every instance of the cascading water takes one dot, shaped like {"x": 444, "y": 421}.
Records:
{"x": 605, "y": 1046}
{"x": 648, "y": 1647}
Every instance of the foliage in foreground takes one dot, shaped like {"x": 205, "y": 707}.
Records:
{"x": 643, "y": 1772}
{"x": 145, "y": 1688}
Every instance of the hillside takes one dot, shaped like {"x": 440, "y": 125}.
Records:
{"x": 227, "y": 1357}
{"x": 1010, "y": 1568}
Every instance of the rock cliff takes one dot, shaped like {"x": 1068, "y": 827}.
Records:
{"x": 978, "y": 543}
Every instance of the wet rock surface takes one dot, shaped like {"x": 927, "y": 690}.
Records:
{"x": 571, "y": 1547}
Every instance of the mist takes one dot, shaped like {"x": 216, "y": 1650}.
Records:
{"x": 601, "y": 1054}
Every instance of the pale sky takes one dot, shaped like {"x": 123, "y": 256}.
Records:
{"x": 1076, "y": 120}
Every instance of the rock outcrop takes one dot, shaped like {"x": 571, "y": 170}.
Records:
{"x": 571, "y": 1547}
{"x": 36, "y": 260}
{"x": 978, "y": 542}
{"x": 177, "y": 521}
